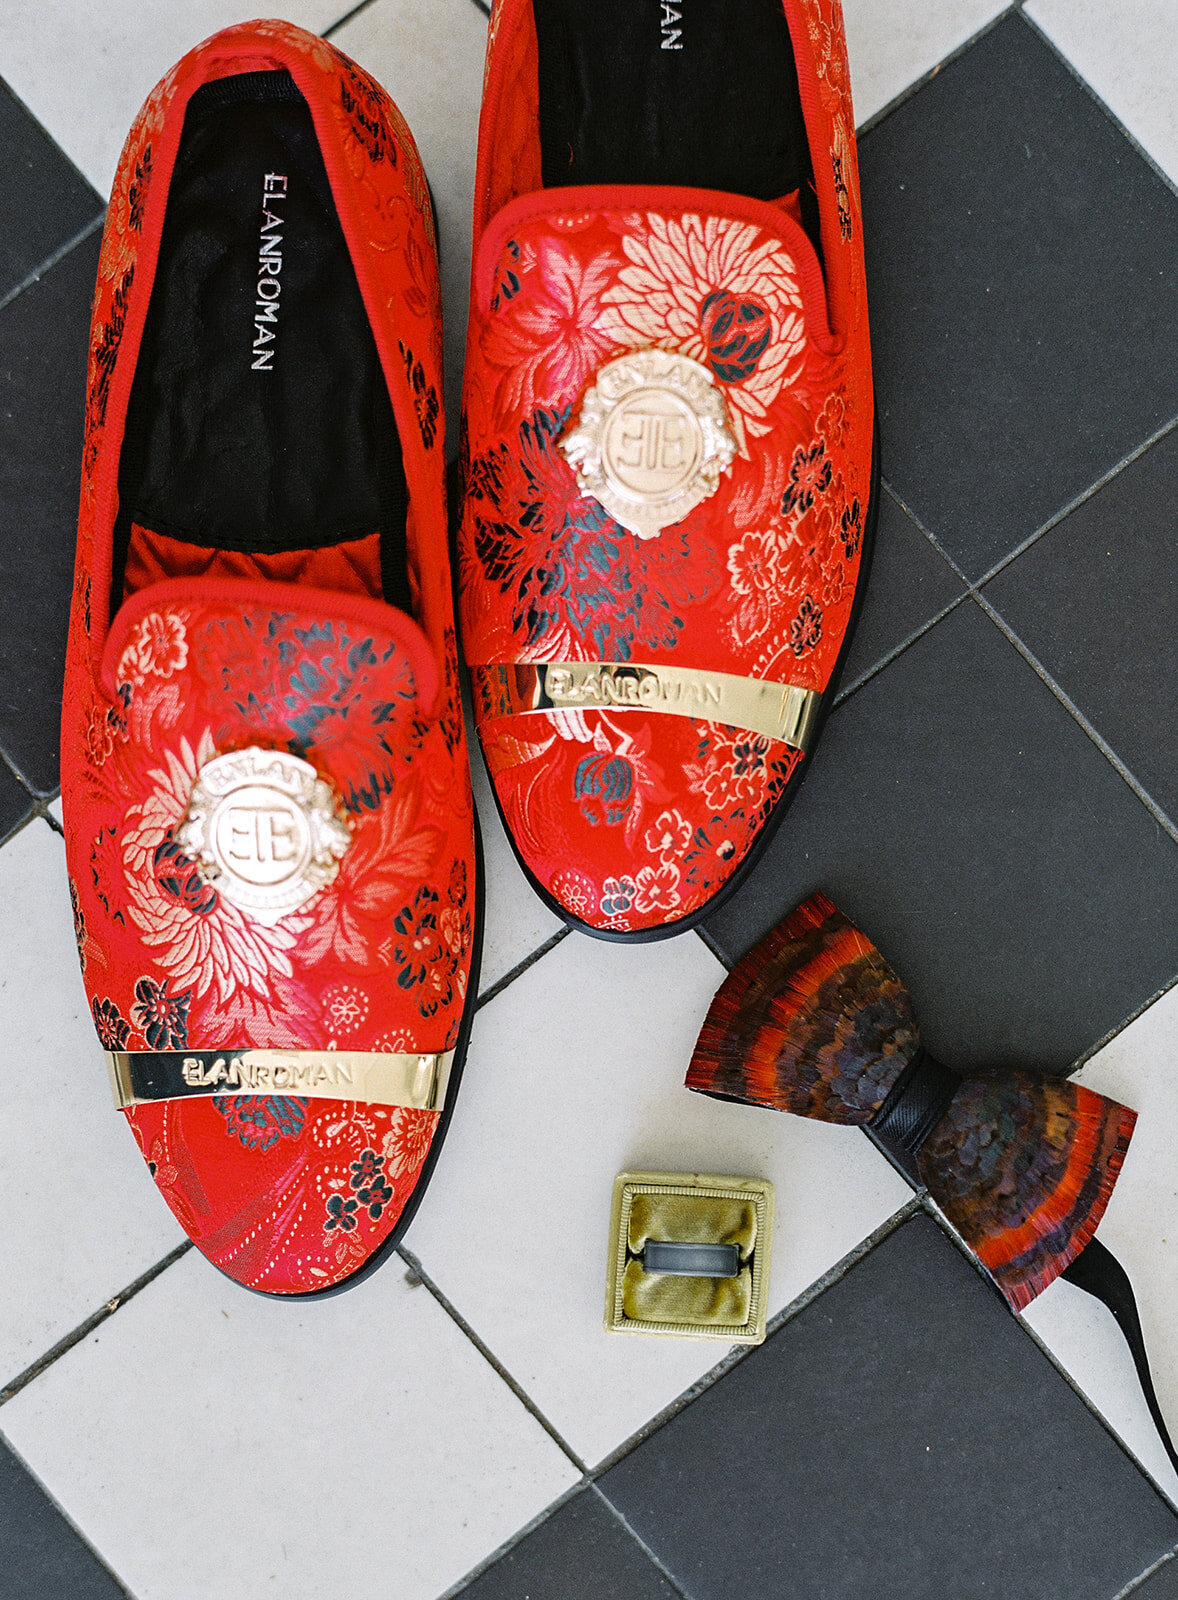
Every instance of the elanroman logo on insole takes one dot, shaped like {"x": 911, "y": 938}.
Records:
{"x": 274, "y": 192}
{"x": 672, "y": 36}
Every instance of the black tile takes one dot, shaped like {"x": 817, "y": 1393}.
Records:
{"x": 43, "y": 341}
{"x": 41, "y": 1557}
{"x": 910, "y": 583}
{"x": 1023, "y": 275}
{"x": 43, "y": 200}
{"x": 581, "y": 1549}
{"x": 963, "y": 819}
{"x": 1095, "y": 600}
{"x": 900, "y": 1439}
{"x": 1163, "y": 1585}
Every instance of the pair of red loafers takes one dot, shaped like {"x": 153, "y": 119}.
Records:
{"x": 668, "y": 493}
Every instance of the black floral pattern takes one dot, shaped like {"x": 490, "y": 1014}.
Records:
{"x": 368, "y": 1180}
{"x": 418, "y": 944}
{"x": 179, "y": 877}
{"x": 851, "y": 524}
{"x": 737, "y": 334}
{"x": 842, "y": 197}
{"x": 425, "y": 397}
{"x": 260, "y": 1120}
{"x": 341, "y": 1213}
{"x": 806, "y": 628}
{"x": 163, "y": 1017}
{"x": 113, "y": 1029}
{"x": 366, "y": 108}
{"x": 508, "y": 285}
{"x": 137, "y": 190}
{"x": 79, "y": 923}
{"x": 809, "y": 475}
{"x": 104, "y": 356}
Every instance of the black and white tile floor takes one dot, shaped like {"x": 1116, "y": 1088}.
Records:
{"x": 995, "y": 801}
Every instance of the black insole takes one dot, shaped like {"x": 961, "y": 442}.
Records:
{"x": 259, "y": 418}
{"x": 702, "y": 93}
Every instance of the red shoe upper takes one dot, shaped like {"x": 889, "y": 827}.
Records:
{"x": 211, "y": 652}
{"x": 632, "y": 821}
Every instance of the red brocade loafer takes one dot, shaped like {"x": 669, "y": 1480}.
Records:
{"x": 668, "y": 465}
{"x": 267, "y": 801}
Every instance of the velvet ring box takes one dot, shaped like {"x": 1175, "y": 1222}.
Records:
{"x": 689, "y": 1256}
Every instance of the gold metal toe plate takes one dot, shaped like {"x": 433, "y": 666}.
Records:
{"x": 414, "y": 1079}
{"x": 778, "y": 710}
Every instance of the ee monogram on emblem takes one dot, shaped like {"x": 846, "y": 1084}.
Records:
{"x": 652, "y": 439}
{"x": 266, "y": 829}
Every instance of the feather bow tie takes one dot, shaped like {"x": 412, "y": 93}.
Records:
{"x": 813, "y": 1020}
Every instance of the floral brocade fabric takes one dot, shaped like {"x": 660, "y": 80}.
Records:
{"x": 285, "y": 1193}
{"x": 631, "y": 820}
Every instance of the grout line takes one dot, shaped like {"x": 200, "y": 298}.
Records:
{"x": 59, "y": 254}
{"x": 1142, "y": 1577}
{"x": 865, "y": 678}
{"x": 710, "y": 944}
{"x": 342, "y": 22}
{"x": 931, "y": 1210}
{"x": 1098, "y": 739}
{"x": 38, "y": 812}
{"x": 521, "y": 967}
{"x": 906, "y": 94}
{"x": 742, "y": 1352}
{"x": 516, "y": 1539}
{"x": 55, "y": 1352}
{"x": 1074, "y": 505}
{"x": 82, "y": 1537}
{"x": 1121, "y": 1026}
{"x": 662, "y": 1569}
{"x": 1089, "y": 1404}
{"x": 417, "y": 1272}
{"x": 928, "y": 533}
{"x": 1138, "y": 147}
{"x": 481, "y": 5}
{"x": 974, "y": 593}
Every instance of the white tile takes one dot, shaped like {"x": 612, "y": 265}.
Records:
{"x": 576, "y": 1073}
{"x": 517, "y": 920}
{"x": 429, "y": 56}
{"x": 211, "y": 1442}
{"x": 84, "y": 70}
{"x": 82, "y": 1216}
{"x": 1128, "y": 52}
{"x": 55, "y": 810}
{"x": 1140, "y": 1227}
{"x": 894, "y": 44}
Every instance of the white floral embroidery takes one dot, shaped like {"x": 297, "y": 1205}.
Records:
{"x": 675, "y": 265}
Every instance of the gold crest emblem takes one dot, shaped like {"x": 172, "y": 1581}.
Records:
{"x": 652, "y": 439}
{"x": 266, "y": 829}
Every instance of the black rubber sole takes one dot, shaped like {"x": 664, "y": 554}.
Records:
{"x": 669, "y": 930}
{"x": 381, "y": 1254}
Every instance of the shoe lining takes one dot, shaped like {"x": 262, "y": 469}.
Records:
{"x": 259, "y": 423}
{"x": 701, "y": 93}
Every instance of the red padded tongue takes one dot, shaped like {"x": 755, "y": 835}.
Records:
{"x": 572, "y": 210}
{"x": 279, "y": 620}
{"x": 345, "y": 682}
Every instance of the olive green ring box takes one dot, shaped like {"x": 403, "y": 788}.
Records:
{"x": 695, "y": 1208}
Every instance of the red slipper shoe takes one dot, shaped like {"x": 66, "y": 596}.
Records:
{"x": 267, "y": 802}
{"x": 668, "y": 463}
